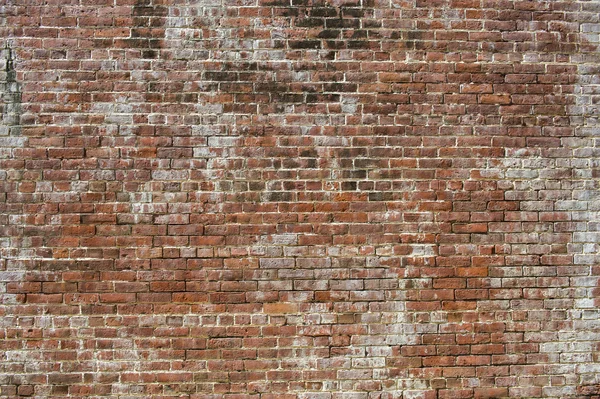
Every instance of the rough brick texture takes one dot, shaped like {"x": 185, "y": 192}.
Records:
{"x": 300, "y": 199}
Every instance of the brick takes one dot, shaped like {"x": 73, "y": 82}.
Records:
{"x": 117, "y": 297}
{"x": 490, "y": 392}
{"x": 280, "y": 308}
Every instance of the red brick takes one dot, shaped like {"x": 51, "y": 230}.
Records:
{"x": 274, "y": 308}
{"x": 481, "y": 393}
{"x": 117, "y": 297}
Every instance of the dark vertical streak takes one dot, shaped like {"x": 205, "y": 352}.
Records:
{"x": 148, "y": 27}
{"x": 11, "y": 96}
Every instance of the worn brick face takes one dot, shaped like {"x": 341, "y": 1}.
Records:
{"x": 328, "y": 199}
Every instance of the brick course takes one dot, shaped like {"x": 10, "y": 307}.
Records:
{"x": 300, "y": 199}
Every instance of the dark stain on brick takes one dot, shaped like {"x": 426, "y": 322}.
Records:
{"x": 352, "y": 13}
{"x": 305, "y": 44}
{"x": 342, "y": 23}
{"x": 287, "y": 97}
{"x": 221, "y": 76}
{"x": 317, "y": 98}
{"x": 329, "y": 34}
{"x": 326, "y": 12}
{"x": 270, "y": 87}
{"x": 310, "y": 22}
{"x": 335, "y": 44}
{"x": 359, "y": 34}
{"x": 349, "y": 186}
{"x": 11, "y": 98}
{"x": 289, "y": 12}
{"x": 148, "y": 31}
{"x": 353, "y": 174}
{"x": 358, "y": 44}
{"x": 341, "y": 87}
{"x": 275, "y": 3}
{"x": 328, "y": 17}
{"x": 308, "y": 153}
{"x": 414, "y": 35}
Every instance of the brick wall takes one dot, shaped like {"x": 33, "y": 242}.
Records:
{"x": 300, "y": 199}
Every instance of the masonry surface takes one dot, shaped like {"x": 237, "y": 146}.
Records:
{"x": 300, "y": 199}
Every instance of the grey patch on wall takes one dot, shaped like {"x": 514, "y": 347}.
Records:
{"x": 10, "y": 90}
